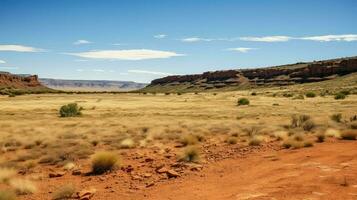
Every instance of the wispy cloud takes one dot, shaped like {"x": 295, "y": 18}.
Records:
{"x": 329, "y": 38}
{"x": 160, "y": 36}
{"x": 267, "y": 39}
{"x": 79, "y": 42}
{"x": 241, "y": 49}
{"x": 132, "y": 54}
{"x": 149, "y": 72}
{"x": 196, "y": 39}
{"x": 2, "y": 62}
{"x": 19, "y": 48}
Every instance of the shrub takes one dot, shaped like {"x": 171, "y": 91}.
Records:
{"x": 231, "y": 140}
{"x": 310, "y": 94}
{"x": 288, "y": 95}
{"x": 254, "y": 94}
{"x": 308, "y": 144}
{"x": 308, "y": 125}
{"x": 7, "y": 195}
{"x": 23, "y": 186}
{"x": 190, "y": 154}
{"x": 70, "y": 110}
{"x": 299, "y": 120}
{"x": 336, "y": 117}
{"x": 243, "y": 101}
{"x": 345, "y": 92}
{"x": 188, "y": 139}
{"x": 64, "y": 192}
{"x": 255, "y": 141}
{"x": 103, "y": 162}
{"x": 320, "y": 137}
{"x": 127, "y": 143}
{"x": 340, "y": 96}
{"x": 300, "y": 96}
{"x": 349, "y": 135}
{"x": 167, "y": 93}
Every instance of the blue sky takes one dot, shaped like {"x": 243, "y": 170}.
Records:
{"x": 141, "y": 40}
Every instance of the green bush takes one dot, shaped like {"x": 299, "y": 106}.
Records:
{"x": 340, "y": 96}
{"x": 70, "y": 110}
{"x": 243, "y": 101}
{"x": 310, "y": 94}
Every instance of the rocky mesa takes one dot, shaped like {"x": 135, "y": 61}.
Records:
{"x": 20, "y": 83}
{"x": 303, "y": 72}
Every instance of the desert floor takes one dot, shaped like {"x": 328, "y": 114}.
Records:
{"x": 241, "y": 151}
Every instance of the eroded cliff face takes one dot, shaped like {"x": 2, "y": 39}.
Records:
{"x": 19, "y": 82}
{"x": 272, "y": 76}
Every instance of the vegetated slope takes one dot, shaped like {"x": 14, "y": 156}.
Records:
{"x": 316, "y": 71}
{"x": 19, "y": 84}
{"x": 91, "y": 85}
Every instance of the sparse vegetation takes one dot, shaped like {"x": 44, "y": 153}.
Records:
{"x": 70, "y": 110}
{"x": 64, "y": 192}
{"x": 310, "y": 94}
{"x": 340, "y": 96}
{"x": 232, "y": 140}
{"x": 336, "y": 117}
{"x": 188, "y": 139}
{"x": 243, "y": 101}
{"x": 190, "y": 154}
{"x": 23, "y": 186}
{"x": 320, "y": 137}
{"x": 103, "y": 162}
{"x": 255, "y": 141}
{"x": 6, "y": 174}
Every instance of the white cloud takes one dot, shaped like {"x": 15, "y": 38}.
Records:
{"x": 2, "y": 62}
{"x": 160, "y": 36}
{"x": 19, "y": 48}
{"x": 329, "y": 38}
{"x": 241, "y": 49}
{"x": 79, "y": 42}
{"x": 132, "y": 54}
{"x": 196, "y": 39}
{"x": 267, "y": 39}
{"x": 81, "y": 60}
{"x": 149, "y": 72}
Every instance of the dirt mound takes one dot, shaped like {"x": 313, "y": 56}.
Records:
{"x": 272, "y": 76}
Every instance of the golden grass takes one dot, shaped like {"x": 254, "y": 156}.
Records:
{"x": 23, "y": 186}
{"x": 64, "y": 192}
{"x": 103, "y": 162}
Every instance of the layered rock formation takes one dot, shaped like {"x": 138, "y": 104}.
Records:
{"x": 271, "y": 76}
{"x": 8, "y": 80}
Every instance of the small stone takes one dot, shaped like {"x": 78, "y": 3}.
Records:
{"x": 147, "y": 175}
{"x": 56, "y": 174}
{"x": 150, "y": 184}
{"x": 76, "y": 172}
{"x": 161, "y": 170}
{"x": 172, "y": 174}
{"x": 86, "y": 194}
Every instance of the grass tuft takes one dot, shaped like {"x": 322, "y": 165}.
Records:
{"x": 103, "y": 162}
{"x": 70, "y": 110}
{"x": 190, "y": 154}
{"x": 64, "y": 192}
{"x": 23, "y": 186}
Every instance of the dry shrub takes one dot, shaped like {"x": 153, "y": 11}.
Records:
{"x": 320, "y": 137}
{"x": 64, "y": 192}
{"x": 190, "y": 154}
{"x": 299, "y": 120}
{"x": 188, "y": 139}
{"x": 6, "y": 174}
{"x": 349, "y": 135}
{"x": 336, "y": 117}
{"x": 353, "y": 125}
{"x": 333, "y": 133}
{"x": 231, "y": 140}
{"x": 127, "y": 143}
{"x": 103, "y": 162}
{"x": 23, "y": 186}
{"x": 255, "y": 141}
{"x": 308, "y": 125}
{"x": 7, "y": 195}
{"x": 296, "y": 141}
{"x": 280, "y": 135}
{"x": 69, "y": 166}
